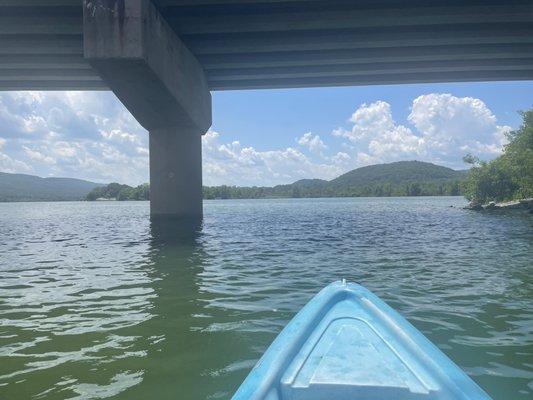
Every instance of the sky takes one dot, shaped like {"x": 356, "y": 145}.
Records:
{"x": 266, "y": 137}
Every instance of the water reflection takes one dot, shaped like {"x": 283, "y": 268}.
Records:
{"x": 175, "y": 259}
{"x": 191, "y": 358}
{"x": 175, "y": 232}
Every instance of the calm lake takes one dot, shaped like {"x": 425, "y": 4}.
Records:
{"x": 95, "y": 302}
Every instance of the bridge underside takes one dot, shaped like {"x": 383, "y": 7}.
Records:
{"x": 245, "y": 44}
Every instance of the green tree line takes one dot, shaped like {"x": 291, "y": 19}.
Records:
{"x": 452, "y": 188}
{"x": 508, "y": 177}
{"x": 120, "y": 192}
{"x": 448, "y": 188}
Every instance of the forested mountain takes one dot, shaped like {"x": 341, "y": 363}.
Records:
{"x": 397, "y": 173}
{"x": 405, "y": 178}
{"x": 21, "y": 187}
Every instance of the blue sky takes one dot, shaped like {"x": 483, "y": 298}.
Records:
{"x": 272, "y": 117}
{"x": 266, "y": 137}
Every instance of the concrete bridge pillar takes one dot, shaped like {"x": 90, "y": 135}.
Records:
{"x": 176, "y": 172}
{"x": 162, "y": 84}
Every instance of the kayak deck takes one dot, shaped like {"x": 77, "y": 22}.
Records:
{"x": 347, "y": 344}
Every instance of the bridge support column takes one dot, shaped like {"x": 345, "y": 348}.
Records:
{"x": 162, "y": 84}
{"x": 176, "y": 172}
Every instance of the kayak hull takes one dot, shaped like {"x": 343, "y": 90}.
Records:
{"x": 347, "y": 344}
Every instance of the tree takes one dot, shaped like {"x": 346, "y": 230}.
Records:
{"x": 507, "y": 177}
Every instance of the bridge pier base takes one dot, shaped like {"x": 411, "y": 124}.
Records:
{"x": 162, "y": 84}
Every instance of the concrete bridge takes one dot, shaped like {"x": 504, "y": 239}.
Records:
{"x": 163, "y": 57}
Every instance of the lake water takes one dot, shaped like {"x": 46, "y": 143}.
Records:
{"x": 95, "y": 302}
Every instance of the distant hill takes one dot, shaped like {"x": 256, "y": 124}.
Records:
{"x": 404, "y": 178}
{"x": 21, "y": 187}
{"x": 397, "y": 173}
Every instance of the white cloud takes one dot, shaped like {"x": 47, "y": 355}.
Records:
{"x": 142, "y": 151}
{"x": 377, "y": 138}
{"x": 444, "y": 129}
{"x": 233, "y": 164}
{"x": 341, "y": 158}
{"x": 312, "y": 142}
{"x": 91, "y": 135}
{"x": 37, "y": 156}
{"x": 369, "y": 119}
{"x": 8, "y": 164}
{"x": 453, "y": 125}
{"x": 119, "y": 136}
{"x": 86, "y": 135}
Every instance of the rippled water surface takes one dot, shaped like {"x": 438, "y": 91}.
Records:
{"x": 95, "y": 302}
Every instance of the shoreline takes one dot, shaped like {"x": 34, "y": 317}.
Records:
{"x": 522, "y": 204}
{"x": 234, "y": 198}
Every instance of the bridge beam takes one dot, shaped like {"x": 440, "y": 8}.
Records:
{"x": 162, "y": 84}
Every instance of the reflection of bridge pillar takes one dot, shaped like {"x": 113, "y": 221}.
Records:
{"x": 162, "y": 84}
